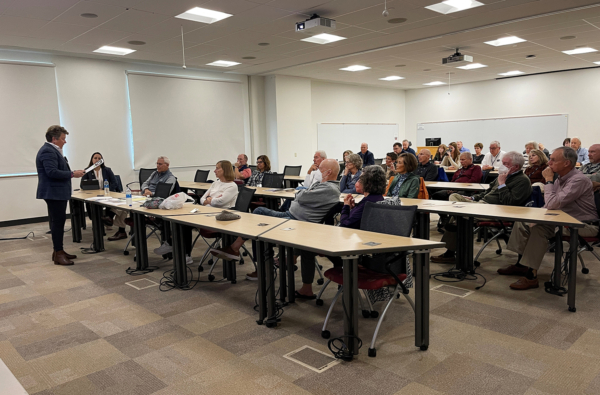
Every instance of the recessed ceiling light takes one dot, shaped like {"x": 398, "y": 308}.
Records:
{"x": 435, "y": 83}
{"x": 249, "y": 57}
{"x": 264, "y": 44}
{"x": 450, "y": 6}
{"x": 397, "y": 20}
{"x": 472, "y": 66}
{"x": 596, "y": 62}
{"x": 114, "y": 50}
{"x": 578, "y": 51}
{"x": 568, "y": 37}
{"x": 392, "y": 78}
{"x": 514, "y": 72}
{"x": 88, "y": 15}
{"x": 355, "y": 67}
{"x": 400, "y": 65}
{"x": 223, "y": 63}
{"x": 529, "y": 56}
{"x": 203, "y": 15}
{"x": 134, "y": 42}
{"x": 426, "y": 69}
{"x": 323, "y": 38}
{"x": 505, "y": 41}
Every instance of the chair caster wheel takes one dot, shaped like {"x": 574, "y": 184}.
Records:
{"x": 271, "y": 325}
{"x": 585, "y": 270}
{"x": 372, "y": 352}
{"x": 478, "y": 240}
{"x": 499, "y": 251}
{"x": 241, "y": 262}
{"x": 134, "y": 258}
{"x": 374, "y": 314}
{"x": 572, "y": 309}
{"x": 234, "y": 281}
{"x": 211, "y": 277}
{"x": 210, "y": 262}
{"x": 125, "y": 252}
{"x": 325, "y": 334}
{"x": 244, "y": 253}
{"x": 319, "y": 302}
{"x": 321, "y": 267}
{"x": 424, "y": 348}
{"x": 366, "y": 313}
{"x": 320, "y": 281}
{"x": 200, "y": 268}
{"x": 476, "y": 263}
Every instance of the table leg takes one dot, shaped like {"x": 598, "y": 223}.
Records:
{"x": 229, "y": 265}
{"x": 558, "y": 256}
{"x": 350, "y": 302}
{"x": 282, "y": 275}
{"x": 289, "y": 251}
{"x": 270, "y": 283}
{"x": 262, "y": 289}
{"x": 574, "y": 246}
{"x": 179, "y": 267}
{"x": 97, "y": 227}
{"x": 421, "y": 274}
{"x": 464, "y": 244}
{"x": 141, "y": 246}
{"x": 75, "y": 220}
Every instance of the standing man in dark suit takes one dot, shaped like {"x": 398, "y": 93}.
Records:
{"x": 54, "y": 186}
{"x": 366, "y": 155}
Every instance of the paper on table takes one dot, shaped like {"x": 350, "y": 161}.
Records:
{"x": 95, "y": 165}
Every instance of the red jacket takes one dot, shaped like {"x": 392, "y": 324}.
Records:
{"x": 471, "y": 173}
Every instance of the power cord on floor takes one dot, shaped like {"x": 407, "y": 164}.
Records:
{"x": 18, "y": 238}
{"x": 339, "y": 345}
{"x": 455, "y": 275}
{"x": 278, "y": 306}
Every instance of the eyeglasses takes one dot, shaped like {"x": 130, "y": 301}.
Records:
{"x": 160, "y": 164}
{"x": 260, "y": 161}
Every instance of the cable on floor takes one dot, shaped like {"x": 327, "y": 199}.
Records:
{"x": 18, "y": 238}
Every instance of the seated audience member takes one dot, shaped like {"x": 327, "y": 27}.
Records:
{"x": 572, "y": 193}
{"x": 405, "y": 184}
{"x": 468, "y": 173}
{"x": 493, "y": 159}
{"x": 451, "y": 160}
{"x": 371, "y": 183}
{"x": 478, "y": 157}
{"x": 397, "y": 148}
{"x": 314, "y": 174}
{"x": 592, "y": 169}
{"x": 425, "y": 169}
{"x": 309, "y": 205}
{"x": 241, "y": 169}
{"x": 530, "y": 145}
{"x": 345, "y": 154}
{"x": 511, "y": 188}
{"x": 223, "y": 192}
{"x": 351, "y": 173}
{"x": 582, "y": 152}
{"x": 537, "y": 164}
{"x": 389, "y": 167}
{"x": 162, "y": 174}
{"x": 102, "y": 173}
{"x": 366, "y": 155}
{"x": 263, "y": 166}
{"x": 406, "y": 148}
{"x": 567, "y": 142}
{"x": 440, "y": 154}
{"x": 544, "y": 150}
{"x": 461, "y": 147}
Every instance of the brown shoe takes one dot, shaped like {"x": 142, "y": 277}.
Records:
{"x": 118, "y": 236}
{"x": 443, "y": 259}
{"x": 60, "y": 258}
{"x": 69, "y": 256}
{"x": 523, "y": 283}
{"x": 513, "y": 270}
{"x": 226, "y": 253}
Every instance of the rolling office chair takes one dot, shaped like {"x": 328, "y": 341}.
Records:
{"x": 292, "y": 170}
{"x": 143, "y": 175}
{"x": 378, "y": 161}
{"x": 201, "y": 176}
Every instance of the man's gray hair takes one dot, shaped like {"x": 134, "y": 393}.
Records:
{"x": 406, "y": 141}
{"x": 496, "y": 142}
{"x": 516, "y": 158}
{"x": 468, "y": 155}
{"x": 569, "y": 154}
{"x": 322, "y": 154}
{"x": 167, "y": 161}
{"x": 532, "y": 143}
{"x": 573, "y": 138}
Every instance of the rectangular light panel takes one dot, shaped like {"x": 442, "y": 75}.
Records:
{"x": 392, "y": 78}
{"x": 472, "y": 66}
{"x": 203, "y": 15}
{"x": 578, "y": 51}
{"x": 505, "y": 41}
{"x": 223, "y": 63}
{"x": 514, "y": 72}
{"x": 450, "y": 6}
{"x": 323, "y": 38}
{"x": 434, "y": 83}
{"x": 114, "y": 50}
{"x": 355, "y": 67}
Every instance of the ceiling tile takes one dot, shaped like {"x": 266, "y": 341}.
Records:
{"x": 99, "y": 37}
{"x": 62, "y": 32}
{"x": 134, "y": 21}
{"x": 104, "y": 12}
{"x": 17, "y": 26}
{"x": 40, "y": 9}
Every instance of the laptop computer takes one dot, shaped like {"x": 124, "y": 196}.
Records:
{"x": 89, "y": 185}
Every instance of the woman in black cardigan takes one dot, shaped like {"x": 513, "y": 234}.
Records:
{"x": 102, "y": 173}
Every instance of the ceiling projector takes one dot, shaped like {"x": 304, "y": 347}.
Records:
{"x": 457, "y": 59}
{"x": 315, "y": 25}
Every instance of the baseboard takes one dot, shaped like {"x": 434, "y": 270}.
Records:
{"x": 26, "y": 221}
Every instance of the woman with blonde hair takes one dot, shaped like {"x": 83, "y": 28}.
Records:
{"x": 223, "y": 192}
{"x": 538, "y": 161}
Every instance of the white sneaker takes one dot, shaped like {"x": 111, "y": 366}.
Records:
{"x": 165, "y": 248}
{"x": 189, "y": 260}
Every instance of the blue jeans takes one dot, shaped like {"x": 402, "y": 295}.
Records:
{"x": 273, "y": 213}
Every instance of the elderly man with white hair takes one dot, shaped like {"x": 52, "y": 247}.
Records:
{"x": 582, "y": 152}
{"x": 493, "y": 159}
{"x": 367, "y": 156}
{"x": 314, "y": 174}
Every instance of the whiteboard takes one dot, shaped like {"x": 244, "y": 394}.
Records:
{"x": 512, "y": 133}
{"x": 335, "y": 138}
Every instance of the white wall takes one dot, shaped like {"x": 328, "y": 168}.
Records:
{"x": 94, "y": 109}
{"x": 574, "y": 93}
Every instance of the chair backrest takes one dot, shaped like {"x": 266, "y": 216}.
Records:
{"x": 484, "y": 176}
{"x": 442, "y": 176}
{"x": 239, "y": 182}
{"x": 536, "y": 199}
{"x": 252, "y": 167}
{"x": 119, "y": 183}
{"x": 328, "y": 219}
{"x": 201, "y": 175}
{"x": 163, "y": 190}
{"x": 273, "y": 180}
{"x": 244, "y": 198}
{"x": 145, "y": 174}
{"x": 292, "y": 170}
{"x": 391, "y": 220}
{"x": 378, "y": 161}
{"x": 341, "y": 173}
{"x": 597, "y": 201}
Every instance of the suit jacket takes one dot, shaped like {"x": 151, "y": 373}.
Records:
{"x": 107, "y": 174}
{"x": 54, "y": 174}
{"x": 368, "y": 158}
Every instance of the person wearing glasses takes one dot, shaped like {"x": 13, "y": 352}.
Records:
{"x": 352, "y": 172}
{"x": 263, "y": 166}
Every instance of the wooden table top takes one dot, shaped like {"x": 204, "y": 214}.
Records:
{"x": 338, "y": 241}
{"x": 457, "y": 186}
{"x": 294, "y": 178}
{"x": 195, "y": 185}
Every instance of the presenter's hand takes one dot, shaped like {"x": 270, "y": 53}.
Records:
{"x": 78, "y": 173}
{"x": 147, "y": 192}
{"x": 548, "y": 174}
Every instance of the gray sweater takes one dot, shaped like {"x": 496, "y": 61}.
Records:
{"x": 312, "y": 204}
{"x": 157, "y": 177}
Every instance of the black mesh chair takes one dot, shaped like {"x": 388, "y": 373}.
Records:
{"x": 201, "y": 175}
{"x": 484, "y": 176}
{"x": 119, "y": 183}
{"x": 341, "y": 173}
{"x": 384, "y": 270}
{"x": 273, "y": 180}
{"x": 378, "y": 161}
{"x": 252, "y": 167}
{"x": 292, "y": 170}
{"x": 163, "y": 190}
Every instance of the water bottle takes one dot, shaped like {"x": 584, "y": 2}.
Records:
{"x": 128, "y": 196}
{"x": 106, "y": 188}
